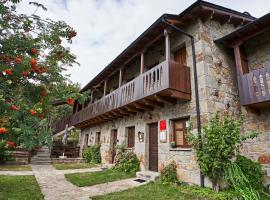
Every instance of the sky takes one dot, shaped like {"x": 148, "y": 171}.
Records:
{"x": 106, "y": 27}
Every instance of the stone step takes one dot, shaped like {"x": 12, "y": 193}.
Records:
{"x": 148, "y": 175}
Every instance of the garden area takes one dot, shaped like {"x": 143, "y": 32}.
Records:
{"x": 19, "y": 187}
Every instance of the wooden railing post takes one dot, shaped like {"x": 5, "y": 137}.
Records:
{"x": 105, "y": 87}
{"x": 142, "y": 62}
{"x": 120, "y": 77}
{"x": 167, "y": 46}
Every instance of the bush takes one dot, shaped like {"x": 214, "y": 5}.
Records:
{"x": 207, "y": 193}
{"x": 127, "y": 162}
{"x": 252, "y": 170}
{"x": 4, "y": 155}
{"x": 92, "y": 154}
{"x": 168, "y": 173}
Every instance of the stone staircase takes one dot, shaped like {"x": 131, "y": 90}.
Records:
{"x": 147, "y": 175}
{"x": 42, "y": 157}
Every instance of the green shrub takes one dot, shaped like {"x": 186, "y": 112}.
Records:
{"x": 209, "y": 194}
{"x": 4, "y": 155}
{"x": 168, "y": 173}
{"x": 127, "y": 161}
{"x": 252, "y": 170}
{"x": 92, "y": 154}
{"x": 240, "y": 183}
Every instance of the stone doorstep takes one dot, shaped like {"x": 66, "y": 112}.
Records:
{"x": 148, "y": 175}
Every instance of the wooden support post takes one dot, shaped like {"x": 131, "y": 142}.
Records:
{"x": 105, "y": 87}
{"x": 238, "y": 62}
{"x": 142, "y": 62}
{"x": 120, "y": 77}
{"x": 92, "y": 96}
{"x": 167, "y": 45}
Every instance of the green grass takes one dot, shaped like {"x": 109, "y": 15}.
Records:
{"x": 94, "y": 178}
{"x": 19, "y": 188}
{"x": 150, "y": 191}
{"x": 15, "y": 168}
{"x": 63, "y": 166}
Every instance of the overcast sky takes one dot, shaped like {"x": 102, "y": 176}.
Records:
{"x": 106, "y": 27}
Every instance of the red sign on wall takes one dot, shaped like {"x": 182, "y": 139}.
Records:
{"x": 162, "y": 125}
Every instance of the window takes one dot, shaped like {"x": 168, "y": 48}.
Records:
{"x": 180, "y": 55}
{"x": 131, "y": 137}
{"x": 97, "y": 138}
{"x": 180, "y": 133}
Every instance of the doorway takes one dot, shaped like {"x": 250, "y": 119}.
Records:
{"x": 153, "y": 147}
{"x": 114, "y": 143}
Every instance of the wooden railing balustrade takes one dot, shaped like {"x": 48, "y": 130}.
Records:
{"x": 175, "y": 77}
{"x": 255, "y": 87}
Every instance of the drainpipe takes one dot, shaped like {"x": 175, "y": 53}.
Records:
{"x": 198, "y": 112}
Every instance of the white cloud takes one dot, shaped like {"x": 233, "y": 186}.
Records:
{"x": 106, "y": 27}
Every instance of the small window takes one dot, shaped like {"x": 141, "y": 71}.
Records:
{"x": 180, "y": 133}
{"x": 131, "y": 137}
{"x": 97, "y": 138}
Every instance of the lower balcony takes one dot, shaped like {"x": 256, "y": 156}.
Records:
{"x": 254, "y": 88}
{"x": 164, "y": 83}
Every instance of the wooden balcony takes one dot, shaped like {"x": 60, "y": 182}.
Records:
{"x": 254, "y": 88}
{"x": 163, "y": 83}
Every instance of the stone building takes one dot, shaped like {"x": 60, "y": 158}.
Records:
{"x": 146, "y": 97}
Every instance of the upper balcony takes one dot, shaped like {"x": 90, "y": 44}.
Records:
{"x": 163, "y": 83}
{"x": 254, "y": 88}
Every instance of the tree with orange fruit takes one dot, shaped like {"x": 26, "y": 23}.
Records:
{"x": 32, "y": 61}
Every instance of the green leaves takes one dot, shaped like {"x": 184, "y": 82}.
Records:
{"x": 220, "y": 141}
{"x": 32, "y": 62}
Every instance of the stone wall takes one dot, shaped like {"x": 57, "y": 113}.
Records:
{"x": 218, "y": 92}
{"x": 258, "y": 51}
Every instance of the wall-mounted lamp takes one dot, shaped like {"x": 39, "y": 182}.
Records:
{"x": 141, "y": 136}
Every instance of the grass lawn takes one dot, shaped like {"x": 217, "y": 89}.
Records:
{"x": 94, "y": 178}
{"x": 151, "y": 191}
{"x": 15, "y": 168}
{"x": 63, "y": 166}
{"x": 19, "y": 188}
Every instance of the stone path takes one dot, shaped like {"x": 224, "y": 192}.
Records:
{"x": 16, "y": 173}
{"x": 110, "y": 187}
{"x": 54, "y": 186}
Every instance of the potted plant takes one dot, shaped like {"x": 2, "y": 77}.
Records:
{"x": 173, "y": 144}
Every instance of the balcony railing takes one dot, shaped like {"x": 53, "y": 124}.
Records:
{"x": 254, "y": 88}
{"x": 174, "y": 77}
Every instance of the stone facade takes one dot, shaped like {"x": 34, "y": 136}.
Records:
{"x": 218, "y": 92}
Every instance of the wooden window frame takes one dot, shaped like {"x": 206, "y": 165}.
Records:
{"x": 128, "y": 137}
{"x": 184, "y": 129}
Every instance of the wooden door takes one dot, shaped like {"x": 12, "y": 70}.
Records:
{"x": 114, "y": 143}
{"x": 131, "y": 137}
{"x": 180, "y": 56}
{"x": 153, "y": 147}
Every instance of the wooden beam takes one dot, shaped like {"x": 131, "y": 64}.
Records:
{"x": 167, "y": 45}
{"x": 132, "y": 109}
{"x": 105, "y": 87}
{"x": 125, "y": 111}
{"x": 165, "y": 99}
{"x": 153, "y": 103}
{"x": 143, "y": 107}
{"x": 142, "y": 62}
{"x": 120, "y": 77}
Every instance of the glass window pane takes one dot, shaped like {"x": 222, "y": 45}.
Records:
{"x": 179, "y": 137}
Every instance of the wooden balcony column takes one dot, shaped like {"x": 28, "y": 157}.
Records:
{"x": 142, "y": 62}
{"x": 105, "y": 87}
{"x": 167, "y": 45}
{"x": 92, "y": 95}
{"x": 238, "y": 60}
{"x": 120, "y": 77}
{"x": 239, "y": 70}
